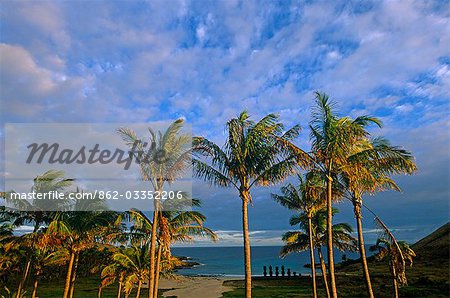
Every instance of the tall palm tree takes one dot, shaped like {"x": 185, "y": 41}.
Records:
{"x": 370, "y": 164}
{"x": 297, "y": 241}
{"x": 254, "y": 154}
{"x": 307, "y": 198}
{"x": 177, "y": 156}
{"x": 174, "y": 226}
{"x": 332, "y": 140}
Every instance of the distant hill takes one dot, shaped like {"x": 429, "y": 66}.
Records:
{"x": 434, "y": 247}
{"x": 428, "y": 277}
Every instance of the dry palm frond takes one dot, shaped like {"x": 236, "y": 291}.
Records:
{"x": 399, "y": 252}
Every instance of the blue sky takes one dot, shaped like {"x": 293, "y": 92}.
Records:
{"x": 139, "y": 61}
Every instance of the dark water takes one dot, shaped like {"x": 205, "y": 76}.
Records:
{"x": 228, "y": 261}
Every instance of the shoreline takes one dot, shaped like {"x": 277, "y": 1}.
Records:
{"x": 194, "y": 286}
{"x": 211, "y": 286}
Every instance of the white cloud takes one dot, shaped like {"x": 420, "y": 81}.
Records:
{"x": 406, "y": 108}
{"x": 116, "y": 62}
{"x": 235, "y": 238}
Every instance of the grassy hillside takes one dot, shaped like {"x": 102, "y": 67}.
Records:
{"x": 434, "y": 248}
{"x": 428, "y": 277}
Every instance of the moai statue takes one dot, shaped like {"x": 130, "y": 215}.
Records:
{"x": 295, "y": 274}
{"x": 276, "y": 271}
{"x": 265, "y": 271}
{"x": 270, "y": 271}
{"x": 282, "y": 270}
{"x": 289, "y": 272}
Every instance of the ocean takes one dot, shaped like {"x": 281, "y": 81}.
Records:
{"x": 228, "y": 261}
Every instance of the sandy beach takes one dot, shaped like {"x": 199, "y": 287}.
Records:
{"x": 205, "y": 287}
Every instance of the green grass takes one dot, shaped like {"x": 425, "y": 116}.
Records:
{"x": 280, "y": 292}
{"x": 85, "y": 287}
{"x": 273, "y": 288}
{"x": 425, "y": 279}
{"x": 423, "y": 282}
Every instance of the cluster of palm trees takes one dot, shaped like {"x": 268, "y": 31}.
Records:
{"x": 62, "y": 237}
{"x": 57, "y": 237}
{"x": 344, "y": 162}
{"x": 308, "y": 201}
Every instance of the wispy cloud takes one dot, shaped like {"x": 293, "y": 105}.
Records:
{"x": 235, "y": 238}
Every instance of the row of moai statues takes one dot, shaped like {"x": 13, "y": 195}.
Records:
{"x": 277, "y": 273}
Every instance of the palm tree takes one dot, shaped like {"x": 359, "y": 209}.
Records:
{"x": 41, "y": 247}
{"x": 174, "y": 226}
{"x": 368, "y": 170}
{"x": 135, "y": 262}
{"x": 180, "y": 226}
{"x": 333, "y": 138}
{"x": 399, "y": 254}
{"x": 38, "y": 248}
{"x": 307, "y": 198}
{"x": 342, "y": 239}
{"x": 36, "y": 212}
{"x": 254, "y": 154}
{"x": 177, "y": 155}
{"x": 79, "y": 231}
{"x": 11, "y": 257}
{"x": 110, "y": 274}
{"x": 297, "y": 241}
{"x": 6, "y": 227}
{"x": 398, "y": 251}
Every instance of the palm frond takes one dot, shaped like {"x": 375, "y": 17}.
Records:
{"x": 208, "y": 173}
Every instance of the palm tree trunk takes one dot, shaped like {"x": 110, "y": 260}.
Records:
{"x": 158, "y": 266}
{"x": 247, "y": 257}
{"x": 74, "y": 273}
{"x": 311, "y": 255}
{"x": 138, "y": 293}
{"x": 22, "y": 283}
{"x": 330, "y": 233}
{"x": 362, "y": 251}
{"x": 324, "y": 271}
{"x": 24, "y": 278}
{"x": 394, "y": 281}
{"x": 35, "y": 286}
{"x": 151, "y": 279}
{"x": 119, "y": 290}
{"x": 394, "y": 284}
{"x": 99, "y": 292}
{"x": 69, "y": 275}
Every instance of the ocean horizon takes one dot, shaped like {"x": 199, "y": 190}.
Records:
{"x": 228, "y": 261}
